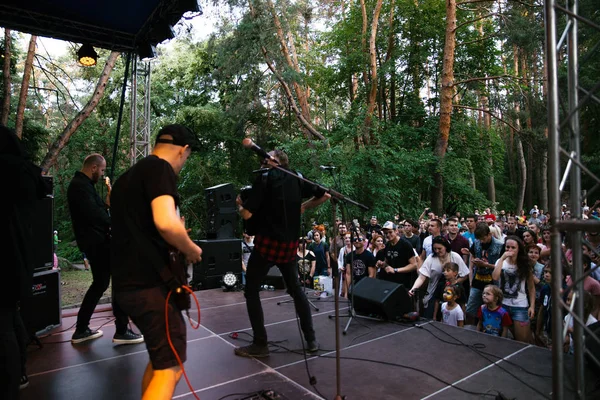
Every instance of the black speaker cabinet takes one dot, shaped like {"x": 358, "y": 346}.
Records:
{"x": 218, "y": 258}
{"x": 43, "y": 256}
{"x": 222, "y": 225}
{"x": 42, "y": 311}
{"x": 220, "y": 197}
{"x": 387, "y": 299}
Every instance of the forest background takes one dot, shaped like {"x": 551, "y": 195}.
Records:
{"x": 418, "y": 103}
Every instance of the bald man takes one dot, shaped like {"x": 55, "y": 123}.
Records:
{"x": 91, "y": 225}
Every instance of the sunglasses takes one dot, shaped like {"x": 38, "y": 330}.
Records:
{"x": 358, "y": 239}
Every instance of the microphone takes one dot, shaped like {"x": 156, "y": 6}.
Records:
{"x": 250, "y": 145}
{"x": 326, "y": 167}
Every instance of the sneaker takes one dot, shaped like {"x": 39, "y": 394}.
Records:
{"x": 312, "y": 346}
{"x": 88, "y": 334}
{"x": 253, "y": 350}
{"x": 24, "y": 382}
{"x": 129, "y": 337}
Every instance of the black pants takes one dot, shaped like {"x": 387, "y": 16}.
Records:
{"x": 258, "y": 267}
{"x": 99, "y": 258}
{"x": 13, "y": 342}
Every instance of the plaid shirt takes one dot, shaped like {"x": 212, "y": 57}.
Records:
{"x": 274, "y": 250}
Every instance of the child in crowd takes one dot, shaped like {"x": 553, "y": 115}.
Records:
{"x": 543, "y": 329}
{"x": 450, "y": 271}
{"x": 588, "y": 305}
{"x": 452, "y": 314}
{"x": 533, "y": 252}
{"x": 493, "y": 319}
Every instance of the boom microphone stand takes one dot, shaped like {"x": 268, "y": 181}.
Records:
{"x": 249, "y": 144}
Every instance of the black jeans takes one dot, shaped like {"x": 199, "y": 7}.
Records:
{"x": 99, "y": 258}
{"x": 258, "y": 267}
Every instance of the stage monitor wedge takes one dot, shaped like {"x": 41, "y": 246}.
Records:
{"x": 387, "y": 299}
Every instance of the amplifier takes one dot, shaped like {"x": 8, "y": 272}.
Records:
{"x": 218, "y": 257}
{"x": 42, "y": 311}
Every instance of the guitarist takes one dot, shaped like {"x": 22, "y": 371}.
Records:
{"x": 146, "y": 224}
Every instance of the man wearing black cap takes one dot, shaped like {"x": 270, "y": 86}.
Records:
{"x": 277, "y": 205}
{"x": 146, "y": 225}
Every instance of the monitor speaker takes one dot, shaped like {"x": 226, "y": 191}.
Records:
{"x": 41, "y": 311}
{"x": 218, "y": 257}
{"x": 222, "y": 217}
{"x": 387, "y": 299}
{"x": 274, "y": 278}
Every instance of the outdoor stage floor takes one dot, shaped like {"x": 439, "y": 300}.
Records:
{"x": 380, "y": 360}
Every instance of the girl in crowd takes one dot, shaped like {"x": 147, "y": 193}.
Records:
{"x": 376, "y": 243}
{"x": 513, "y": 270}
{"x": 344, "y": 251}
{"x": 533, "y": 252}
{"x": 432, "y": 269}
{"x": 306, "y": 263}
{"x": 493, "y": 319}
{"x": 452, "y": 314}
{"x": 529, "y": 237}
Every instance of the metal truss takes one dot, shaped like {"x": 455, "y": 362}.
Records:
{"x": 563, "y": 123}
{"x": 140, "y": 110}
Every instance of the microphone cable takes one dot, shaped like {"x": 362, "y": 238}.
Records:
{"x": 196, "y": 326}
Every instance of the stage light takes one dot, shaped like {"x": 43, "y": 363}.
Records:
{"x": 87, "y": 56}
{"x": 230, "y": 280}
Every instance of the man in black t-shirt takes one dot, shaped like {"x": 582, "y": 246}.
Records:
{"x": 362, "y": 262}
{"x": 397, "y": 262}
{"x": 276, "y": 202}
{"x": 145, "y": 224}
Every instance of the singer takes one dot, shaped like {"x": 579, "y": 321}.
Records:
{"x": 277, "y": 205}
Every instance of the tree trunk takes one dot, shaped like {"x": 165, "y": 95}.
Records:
{"x": 25, "y": 87}
{"x": 363, "y": 10}
{"x": 62, "y": 140}
{"x": 373, "y": 72}
{"x": 6, "y": 78}
{"x": 523, "y": 172}
{"x": 437, "y": 191}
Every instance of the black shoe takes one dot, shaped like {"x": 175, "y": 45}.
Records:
{"x": 88, "y": 334}
{"x": 312, "y": 346}
{"x": 253, "y": 350}
{"x": 24, "y": 382}
{"x": 129, "y": 337}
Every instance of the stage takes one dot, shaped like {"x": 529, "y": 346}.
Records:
{"x": 380, "y": 360}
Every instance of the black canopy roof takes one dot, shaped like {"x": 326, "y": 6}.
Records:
{"x": 122, "y": 25}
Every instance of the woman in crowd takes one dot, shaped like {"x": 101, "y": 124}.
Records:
{"x": 432, "y": 269}
{"x": 514, "y": 272}
{"x": 376, "y": 243}
{"x": 306, "y": 263}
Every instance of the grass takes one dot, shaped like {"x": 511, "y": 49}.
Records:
{"x": 74, "y": 285}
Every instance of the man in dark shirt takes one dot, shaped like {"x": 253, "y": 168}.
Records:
{"x": 409, "y": 235}
{"x": 485, "y": 251}
{"x": 22, "y": 188}
{"x": 277, "y": 203}
{"x": 362, "y": 262}
{"x": 372, "y": 227}
{"x": 397, "y": 262}
{"x": 146, "y": 225}
{"x": 91, "y": 224}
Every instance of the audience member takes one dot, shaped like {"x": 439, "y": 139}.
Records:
{"x": 452, "y": 314}
{"x": 397, "y": 262}
{"x": 493, "y": 318}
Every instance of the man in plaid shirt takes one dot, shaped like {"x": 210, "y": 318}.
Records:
{"x": 275, "y": 201}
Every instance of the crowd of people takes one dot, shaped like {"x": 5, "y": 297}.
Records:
{"x": 488, "y": 270}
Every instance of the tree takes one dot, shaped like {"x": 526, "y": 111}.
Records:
{"x": 25, "y": 86}
{"x": 62, "y": 140}
{"x": 6, "y": 77}
{"x": 446, "y": 94}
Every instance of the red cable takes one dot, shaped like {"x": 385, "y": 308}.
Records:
{"x": 169, "y": 334}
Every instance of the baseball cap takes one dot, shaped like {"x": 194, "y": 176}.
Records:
{"x": 181, "y": 136}
{"x": 490, "y": 217}
{"x": 389, "y": 225}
